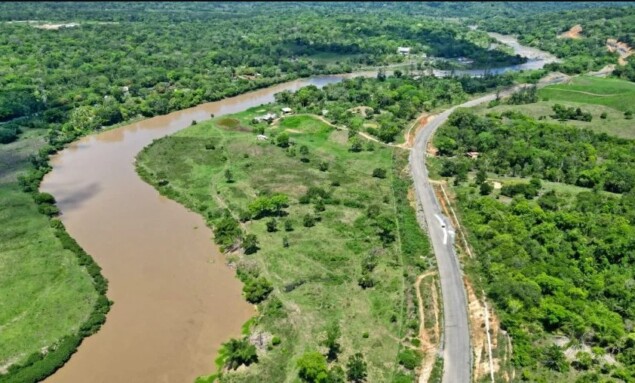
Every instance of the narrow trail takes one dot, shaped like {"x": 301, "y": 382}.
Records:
{"x": 427, "y": 346}
{"x": 589, "y": 93}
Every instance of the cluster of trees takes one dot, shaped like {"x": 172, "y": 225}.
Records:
{"x": 560, "y": 264}
{"x": 256, "y": 287}
{"x": 527, "y": 95}
{"x": 391, "y": 102}
{"x": 553, "y": 263}
{"x": 563, "y": 113}
{"x": 313, "y": 366}
{"x": 528, "y": 189}
{"x": 521, "y": 146}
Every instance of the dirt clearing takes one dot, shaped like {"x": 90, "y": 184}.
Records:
{"x": 573, "y": 33}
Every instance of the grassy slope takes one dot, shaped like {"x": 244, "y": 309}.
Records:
{"x": 45, "y": 293}
{"x": 327, "y": 256}
{"x": 611, "y": 96}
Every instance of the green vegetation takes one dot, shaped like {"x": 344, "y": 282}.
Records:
{"x": 383, "y": 106}
{"x": 557, "y": 262}
{"x": 606, "y": 100}
{"x": 340, "y": 225}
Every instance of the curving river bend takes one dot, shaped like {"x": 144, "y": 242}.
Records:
{"x": 175, "y": 300}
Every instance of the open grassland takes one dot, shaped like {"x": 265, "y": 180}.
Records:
{"x": 617, "y": 94}
{"x": 597, "y": 96}
{"x": 45, "y": 294}
{"x": 316, "y": 278}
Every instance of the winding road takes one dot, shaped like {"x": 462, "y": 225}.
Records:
{"x": 456, "y": 349}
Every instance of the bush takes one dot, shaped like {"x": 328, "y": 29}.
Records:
{"x": 50, "y": 210}
{"x": 41, "y": 198}
{"x": 288, "y": 226}
{"x": 312, "y": 367}
{"x": 379, "y": 173}
{"x": 366, "y": 281}
{"x": 239, "y": 352}
{"x": 8, "y": 135}
{"x": 410, "y": 359}
{"x": 276, "y": 341}
{"x": 250, "y": 244}
{"x": 272, "y": 225}
{"x": 308, "y": 220}
{"x": 282, "y": 140}
{"x": 257, "y": 290}
{"x": 603, "y": 115}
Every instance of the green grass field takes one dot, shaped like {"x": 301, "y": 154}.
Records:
{"x": 591, "y": 94}
{"x": 316, "y": 277}
{"x": 45, "y": 293}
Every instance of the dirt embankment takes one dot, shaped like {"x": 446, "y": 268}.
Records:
{"x": 573, "y": 33}
{"x": 621, "y": 48}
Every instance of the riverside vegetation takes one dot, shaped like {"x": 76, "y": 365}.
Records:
{"x": 555, "y": 245}
{"x": 326, "y": 257}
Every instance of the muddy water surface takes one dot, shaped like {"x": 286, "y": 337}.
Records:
{"x": 175, "y": 300}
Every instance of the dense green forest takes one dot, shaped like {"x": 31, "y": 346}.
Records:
{"x": 555, "y": 263}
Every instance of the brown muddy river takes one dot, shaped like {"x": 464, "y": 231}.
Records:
{"x": 175, "y": 300}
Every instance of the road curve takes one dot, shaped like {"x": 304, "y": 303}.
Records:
{"x": 456, "y": 350}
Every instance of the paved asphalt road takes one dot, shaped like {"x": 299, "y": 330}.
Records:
{"x": 457, "y": 353}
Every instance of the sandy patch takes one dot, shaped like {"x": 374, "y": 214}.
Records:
{"x": 497, "y": 185}
{"x": 621, "y": 48}
{"x": 411, "y": 133}
{"x": 573, "y": 33}
{"x": 54, "y": 27}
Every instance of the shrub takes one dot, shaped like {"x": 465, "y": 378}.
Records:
{"x": 250, "y": 244}
{"x": 41, "y": 198}
{"x": 379, "y": 173}
{"x": 410, "y": 359}
{"x": 272, "y": 225}
{"x": 308, "y": 220}
{"x": 366, "y": 281}
{"x": 239, "y": 352}
{"x": 312, "y": 367}
{"x": 276, "y": 341}
{"x": 257, "y": 290}
{"x": 282, "y": 140}
{"x": 603, "y": 115}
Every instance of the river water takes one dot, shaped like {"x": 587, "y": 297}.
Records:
{"x": 175, "y": 300}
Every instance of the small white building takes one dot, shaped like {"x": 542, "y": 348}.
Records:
{"x": 286, "y": 110}
{"x": 403, "y": 50}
